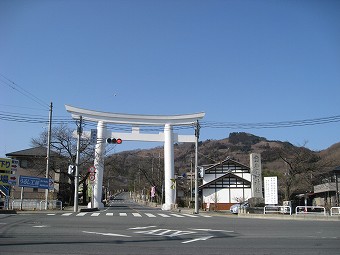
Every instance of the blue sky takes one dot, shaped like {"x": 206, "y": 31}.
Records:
{"x": 237, "y": 61}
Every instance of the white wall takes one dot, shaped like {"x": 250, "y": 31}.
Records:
{"x": 223, "y": 196}
{"x": 210, "y": 177}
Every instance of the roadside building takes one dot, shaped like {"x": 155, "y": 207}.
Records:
{"x": 225, "y": 184}
{"x": 32, "y": 163}
{"x": 327, "y": 193}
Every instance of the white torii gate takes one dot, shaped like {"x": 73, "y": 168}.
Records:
{"x": 168, "y": 137}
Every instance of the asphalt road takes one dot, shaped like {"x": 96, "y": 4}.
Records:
{"x": 129, "y": 228}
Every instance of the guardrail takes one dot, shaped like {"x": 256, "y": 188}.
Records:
{"x": 34, "y": 204}
{"x": 335, "y": 211}
{"x": 282, "y": 209}
{"x": 310, "y": 210}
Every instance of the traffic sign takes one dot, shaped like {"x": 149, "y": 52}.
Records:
{"x": 15, "y": 165}
{"x": 93, "y": 135}
{"x": 92, "y": 176}
{"x": 12, "y": 180}
{"x": 92, "y": 169}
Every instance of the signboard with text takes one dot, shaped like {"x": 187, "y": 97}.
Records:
{"x": 36, "y": 182}
{"x": 8, "y": 168}
{"x": 270, "y": 190}
{"x": 4, "y": 179}
{"x": 5, "y": 164}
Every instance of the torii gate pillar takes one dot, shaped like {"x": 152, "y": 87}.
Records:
{"x": 169, "y": 169}
{"x": 99, "y": 165}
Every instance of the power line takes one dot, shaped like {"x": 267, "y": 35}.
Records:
{"x": 21, "y": 90}
{"x": 280, "y": 124}
{"x": 23, "y": 107}
{"x": 31, "y": 118}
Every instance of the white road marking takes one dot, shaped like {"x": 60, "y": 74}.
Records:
{"x": 81, "y": 214}
{"x": 177, "y": 215}
{"x": 164, "y": 232}
{"x": 190, "y": 215}
{"x": 105, "y": 234}
{"x": 150, "y": 215}
{"x": 164, "y": 215}
{"x": 136, "y": 215}
{"x": 143, "y": 227}
{"x": 198, "y": 239}
{"x": 212, "y": 230}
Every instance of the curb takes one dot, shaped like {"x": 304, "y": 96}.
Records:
{"x": 89, "y": 210}
{"x": 8, "y": 212}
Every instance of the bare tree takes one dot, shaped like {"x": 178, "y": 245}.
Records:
{"x": 301, "y": 164}
{"x": 141, "y": 171}
{"x": 64, "y": 143}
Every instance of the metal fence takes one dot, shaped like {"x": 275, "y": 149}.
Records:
{"x": 34, "y": 204}
{"x": 310, "y": 210}
{"x": 279, "y": 209}
{"x": 335, "y": 211}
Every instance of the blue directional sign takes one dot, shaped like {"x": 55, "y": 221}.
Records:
{"x": 35, "y": 182}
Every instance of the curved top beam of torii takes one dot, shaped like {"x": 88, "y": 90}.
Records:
{"x": 134, "y": 119}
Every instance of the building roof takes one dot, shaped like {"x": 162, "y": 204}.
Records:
{"x": 227, "y": 165}
{"x": 228, "y": 180}
{"x": 32, "y": 152}
{"x": 337, "y": 170}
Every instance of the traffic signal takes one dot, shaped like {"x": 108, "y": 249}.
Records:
{"x": 114, "y": 140}
{"x": 201, "y": 172}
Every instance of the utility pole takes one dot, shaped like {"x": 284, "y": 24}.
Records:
{"x": 197, "y": 134}
{"x": 48, "y": 152}
{"x": 191, "y": 157}
{"x": 76, "y": 176}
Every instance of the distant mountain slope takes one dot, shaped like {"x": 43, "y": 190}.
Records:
{"x": 149, "y": 163}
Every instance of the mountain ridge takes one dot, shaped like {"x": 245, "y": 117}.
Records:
{"x": 238, "y": 146}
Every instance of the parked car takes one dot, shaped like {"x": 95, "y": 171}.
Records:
{"x": 235, "y": 208}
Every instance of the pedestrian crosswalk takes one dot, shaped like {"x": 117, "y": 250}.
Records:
{"x": 132, "y": 214}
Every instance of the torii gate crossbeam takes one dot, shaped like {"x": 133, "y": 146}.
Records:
{"x": 168, "y": 137}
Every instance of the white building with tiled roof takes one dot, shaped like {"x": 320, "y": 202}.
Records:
{"x": 225, "y": 184}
